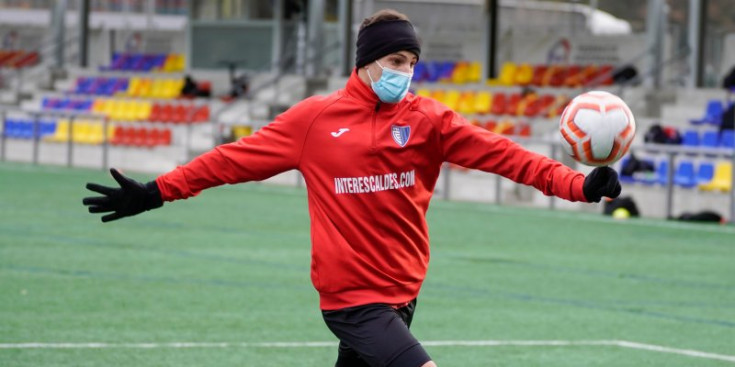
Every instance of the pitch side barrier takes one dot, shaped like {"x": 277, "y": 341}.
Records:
{"x": 36, "y": 117}
{"x": 672, "y": 153}
{"x": 73, "y": 117}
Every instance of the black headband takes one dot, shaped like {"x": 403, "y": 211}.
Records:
{"x": 384, "y": 38}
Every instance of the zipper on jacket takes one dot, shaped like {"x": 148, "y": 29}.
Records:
{"x": 374, "y": 145}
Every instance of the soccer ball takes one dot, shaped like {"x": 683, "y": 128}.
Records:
{"x": 597, "y": 128}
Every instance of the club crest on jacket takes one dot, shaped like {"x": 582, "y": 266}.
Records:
{"x": 401, "y": 134}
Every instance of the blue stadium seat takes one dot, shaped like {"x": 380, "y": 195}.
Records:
{"x": 710, "y": 139}
{"x": 10, "y": 128}
{"x": 47, "y": 127}
{"x": 712, "y": 114}
{"x": 705, "y": 172}
{"x": 690, "y": 138}
{"x": 25, "y": 129}
{"x": 727, "y": 139}
{"x": 420, "y": 72}
{"x": 684, "y": 174}
{"x": 659, "y": 176}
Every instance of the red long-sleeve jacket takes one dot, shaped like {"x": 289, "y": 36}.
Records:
{"x": 370, "y": 169}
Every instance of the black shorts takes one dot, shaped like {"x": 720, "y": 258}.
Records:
{"x": 376, "y": 335}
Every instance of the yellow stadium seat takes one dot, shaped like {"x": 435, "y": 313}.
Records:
{"x": 61, "y": 134}
{"x": 143, "y": 110}
{"x": 474, "y": 74}
{"x": 95, "y": 133}
{"x": 507, "y": 75}
{"x": 424, "y": 93}
{"x": 524, "y": 74}
{"x": 722, "y": 179}
{"x": 460, "y": 72}
{"x": 466, "y": 104}
{"x": 451, "y": 98}
{"x": 483, "y": 102}
{"x": 129, "y": 110}
{"x": 80, "y": 131}
{"x": 133, "y": 86}
{"x": 180, "y": 63}
{"x": 99, "y": 106}
{"x": 158, "y": 88}
{"x": 438, "y": 94}
{"x": 145, "y": 88}
{"x": 116, "y": 109}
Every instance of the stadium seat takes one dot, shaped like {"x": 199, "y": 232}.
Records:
{"x": 423, "y": 93}
{"x": 451, "y": 99}
{"x": 80, "y": 132}
{"x": 573, "y": 77}
{"x": 180, "y": 114}
{"x": 533, "y": 106}
{"x": 11, "y": 128}
{"x": 588, "y": 74}
{"x": 721, "y": 180}
{"x": 712, "y": 114}
{"x": 710, "y": 139}
{"x": 506, "y": 127}
{"x": 684, "y": 175}
{"x": 460, "y": 73}
{"x": 524, "y": 75}
{"x": 466, "y": 104}
{"x": 604, "y": 75}
{"x": 524, "y": 129}
{"x": 554, "y": 76}
{"x": 662, "y": 172}
{"x": 690, "y": 138}
{"x": 96, "y": 133}
{"x": 165, "y": 138}
{"x": 201, "y": 114}
{"x": 507, "y": 75}
{"x": 659, "y": 176}
{"x": 46, "y": 128}
{"x": 420, "y": 73}
{"x": 438, "y": 95}
{"x": 513, "y": 104}
{"x": 474, "y": 74}
{"x": 705, "y": 172}
{"x": 539, "y": 72}
{"x": 483, "y": 102}
{"x": 499, "y": 104}
{"x": 118, "y": 136}
{"x": 727, "y": 139}
{"x": 61, "y": 132}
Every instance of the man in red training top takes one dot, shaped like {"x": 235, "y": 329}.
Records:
{"x": 370, "y": 154}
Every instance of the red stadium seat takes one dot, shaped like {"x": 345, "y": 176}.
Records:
{"x": 539, "y": 73}
{"x": 139, "y": 136}
{"x": 513, "y": 104}
{"x": 499, "y": 104}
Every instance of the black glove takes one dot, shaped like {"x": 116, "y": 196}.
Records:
{"x": 602, "y": 181}
{"x": 130, "y": 199}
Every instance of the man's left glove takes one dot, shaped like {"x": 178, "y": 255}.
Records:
{"x": 130, "y": 199}
{"x": 602, "y": 181}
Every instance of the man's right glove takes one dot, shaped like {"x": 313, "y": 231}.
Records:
{"x": 602, "y": 181}
{"x": 130, "y": 199}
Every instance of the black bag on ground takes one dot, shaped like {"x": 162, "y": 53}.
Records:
{"x": 625, "y": 202}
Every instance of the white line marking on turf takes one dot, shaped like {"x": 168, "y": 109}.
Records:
{"x": 684, "y": 352}
{"x": 436, "y": 343}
